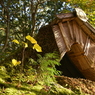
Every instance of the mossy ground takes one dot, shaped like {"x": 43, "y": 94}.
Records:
{"x": 27, "y": 88}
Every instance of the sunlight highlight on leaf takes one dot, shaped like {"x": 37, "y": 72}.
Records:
{"x": 15, "y": 62}
{"x": 31, "y": 39}
{"x": 15, "y": 41}
{"x": 25, "y": 44}
{"x": 37, "y": 48}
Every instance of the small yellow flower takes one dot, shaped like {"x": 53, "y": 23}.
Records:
{"x": 37, "y": 48}
{"x": 15, "y": 41}
{"x": 15, "y": 62}
{"x": 31, "y": 39}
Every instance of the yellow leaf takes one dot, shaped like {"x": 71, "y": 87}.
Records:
{"x": 15, "y": 62}
{"x": 31, "y": 39}
{"x": 26, "y": 45}
{"x": 15, "y": 41}
{"x": 37, "y": 48}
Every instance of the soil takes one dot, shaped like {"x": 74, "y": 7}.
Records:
{"x": 85, "y": 85}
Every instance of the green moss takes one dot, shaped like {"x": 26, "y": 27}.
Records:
{"x": 55, "y": 89}
{"x": 37, "y": 88}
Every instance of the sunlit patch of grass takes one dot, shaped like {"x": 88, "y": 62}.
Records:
{"x": 29, "y": 89}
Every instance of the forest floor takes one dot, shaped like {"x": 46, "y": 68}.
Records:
{"x": 68, "y": 86}
{"x": 85, "y": 85}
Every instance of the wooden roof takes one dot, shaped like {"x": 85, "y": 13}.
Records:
{"x": 86, "y": 26}
{"x": 75, "y": 35}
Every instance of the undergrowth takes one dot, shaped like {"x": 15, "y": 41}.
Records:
{"x": 38, "y": 78}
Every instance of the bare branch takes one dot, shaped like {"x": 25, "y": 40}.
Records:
{"x": 8, "y": 25}
{"x": 34, "y": 8}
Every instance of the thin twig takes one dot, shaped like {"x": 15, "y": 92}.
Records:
{"x": 23, "y": 57}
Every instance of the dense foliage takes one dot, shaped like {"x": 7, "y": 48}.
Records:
{"x": 20, "y": 21}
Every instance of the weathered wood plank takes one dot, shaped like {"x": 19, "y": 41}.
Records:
{"x": 81, "y": 61}
{"x": 67, "y": 19}
{"x": 89, "y": 73}
{"x": 64, "y": 36}
{"x": 66, "y": 15}
{"x": 70, "y": 29}
{"x": 59, "y": 40}
{"x": 86, "y": 29}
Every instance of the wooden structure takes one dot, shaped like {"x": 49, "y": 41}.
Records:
{"x": 75, "y": 37}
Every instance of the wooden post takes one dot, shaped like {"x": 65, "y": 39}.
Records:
{"x": 63, "y": 35}
{"x": 70, "y": 29}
